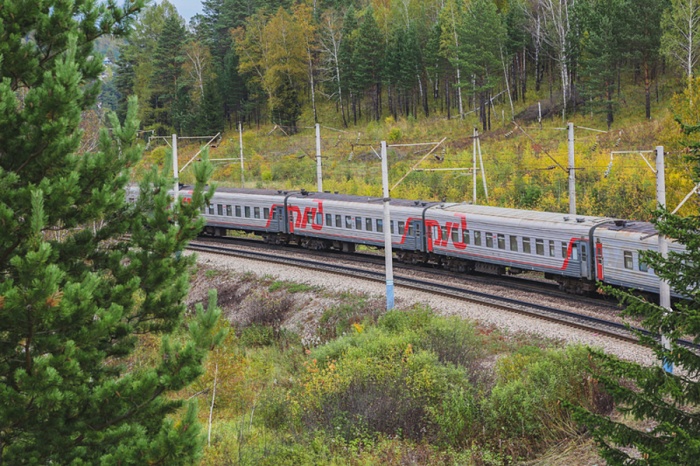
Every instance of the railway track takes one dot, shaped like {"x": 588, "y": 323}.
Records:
{"x": 579, "y": 321}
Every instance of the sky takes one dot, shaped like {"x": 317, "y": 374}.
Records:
{"x": 187, "y": 8}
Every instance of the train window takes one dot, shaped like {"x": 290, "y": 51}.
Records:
{"x": 309, "y": 218}
{"x": 628, "y": 259}
{"x": 380, "y": 226}
{"x": 526, "y": 246}
{"x": 274, "y": 214}
{"x": 402, "y": 226}
{"x": 338, "y": 221}
{"x": 539, "y": 247}
{"x": 266, "y": 213}
{"x": 229, "y": 211}
{"x": 411, "y": 229}
{"x": 329, "y": 220}
{"x": 551, "y": 248}
{"x": 368, "y": 224}
{"x": 477, "y": 238}
{"x": 443, "y": 233}
{"x": 238, "y": 211}
{"x": 256, "y": 212}
{"x": 643, "y": 267}
{"x": 564, "y": 249}
{"x": 358, "y": 223}
{"x": 211, "y": 209}
{"x": 501, "y": 241}
{"x": 246, "y": 210}
{"x": 219, "y": 209}
{"x": 348, "y": 222}
{"x": 319, "y": 218}
{"x": 465, "y": 236}
{"x": 574, "y": 253}
{"x": 391, "y": 226}
{"x": 514, "y": 243}
{"x": 455, "y": 235}
{"x": 489, "y": 240}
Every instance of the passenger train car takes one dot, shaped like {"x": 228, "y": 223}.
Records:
{"x": 575, "y": 251}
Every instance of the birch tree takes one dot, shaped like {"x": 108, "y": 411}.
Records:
{"x": 330, "y": 42}
{"x": 680, "y": 41}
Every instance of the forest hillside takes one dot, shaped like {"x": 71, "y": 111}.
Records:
{"x": 413, "y": 72}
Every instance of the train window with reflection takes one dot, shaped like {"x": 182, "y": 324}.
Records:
{"x": 256, "y": 212}
{"x": 391, "y": 226}
{"x": 539, "y": 246}
{"x": 380, "y": 226}
{"x": 348, "y": 222}
{"x": 246, "y": 210}
{"x": 266, "y": 213}
{"x": 229, "y": 211}
{"x": 551, "y": 248}
{"x": 329, "y": 220}
{"x": 402, "y": 227}
{"x": 526, "y": 245}
{"x": 274, "y": 214}
{"x": 564, "y": 249}
{"x": 211, "y": 209}
{"x": 443, "y": 233}
{"x": 514, "y": 243}
{"x": 501, "y": 241}
{"x": 219, "y": 209}
{"x": 465, "y": 236}
{"x": 309, "y": 218}
{"x": 368, "y": 224}
{"x": 643, "y": 267}
{"x": 489, "y": 240}
{"x": 574, "y": 253}
{"x": 319, "y": 218}
{"x": 411, "y": 229}
{"x": 338, "y": 221}
{"x": 358, "y": 223}
{"x": 628, "y": 259}
{"x": 455, "y": 235}
{"x": 477, "y": 238}
{"x": 238, "y": 211}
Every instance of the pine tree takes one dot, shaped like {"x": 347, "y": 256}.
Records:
{"x": 166, "y": 79}
{"x": 601, "y": 49}
{"x": 76, "y": 292}
{"x": 367, "y": 60}
{"x": 670, "y": 401}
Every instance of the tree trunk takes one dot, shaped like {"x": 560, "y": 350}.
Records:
{"x": 447, "y": 96}
{"x": 647, "y": 89}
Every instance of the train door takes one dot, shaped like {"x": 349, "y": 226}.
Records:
{"x": 414, "y": 236}
{"x": 599, "y": 260}
{"x": 277, "y": 221}
{"x": 583, "y": 258}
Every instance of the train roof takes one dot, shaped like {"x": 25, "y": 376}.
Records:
{"x": 553, "y": 218}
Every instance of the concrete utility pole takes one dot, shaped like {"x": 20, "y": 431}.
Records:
{"x": 319, "y": 172}
{"x": 388, "y": 253}
{"x": 474, "y": 168}
{"x": 176, "y": 173}
{"x": 664, "y": 289}
{"x": 240, "y": 143}
{"x": 572, "y": 171}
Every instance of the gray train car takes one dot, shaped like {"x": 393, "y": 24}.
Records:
{"x": 618, "y": 259}
{"x": 249, "y": 210}
{"x": 500, "y": 240}
{"x": 325, "y": 220}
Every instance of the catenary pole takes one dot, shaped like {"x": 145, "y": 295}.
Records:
{"x": 474, "y": 169}
{"x": 240, "y": 143}
{"x": 664, "y": 289}
{"x": 319, "y": 172}
{"x": 572, "y": 171}
{"x": 388, "y": 256}
{"x": 176, "y": 187}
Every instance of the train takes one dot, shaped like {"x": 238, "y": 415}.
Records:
{"x": 576, "y": 251}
